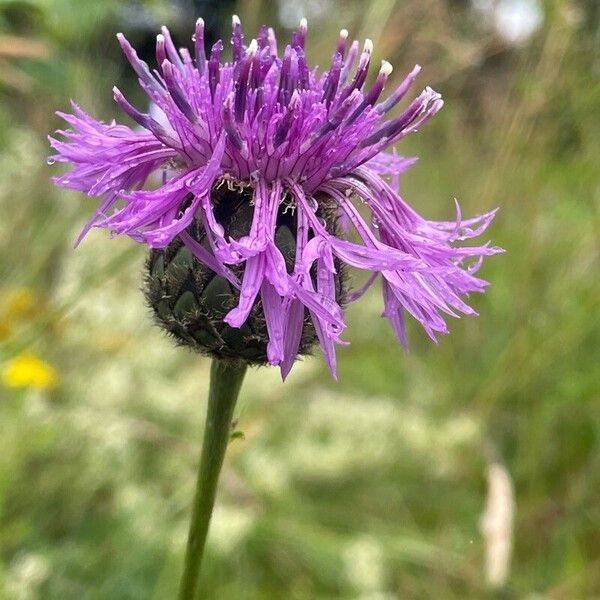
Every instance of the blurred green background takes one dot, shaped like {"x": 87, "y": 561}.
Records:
{"x": 467, "y": 469}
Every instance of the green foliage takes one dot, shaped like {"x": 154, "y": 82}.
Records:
{"x": 370, "y": 488}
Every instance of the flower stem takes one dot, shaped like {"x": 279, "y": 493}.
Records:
{"x": 225, "y": 381}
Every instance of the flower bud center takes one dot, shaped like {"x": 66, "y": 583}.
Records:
{"x": 190, "y": 301}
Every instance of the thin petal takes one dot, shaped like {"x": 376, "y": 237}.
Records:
{"x": 273, "y": 310}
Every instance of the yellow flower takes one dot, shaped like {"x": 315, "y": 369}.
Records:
{"x": 19, "y": 302}
{"x": 27, "y": 370}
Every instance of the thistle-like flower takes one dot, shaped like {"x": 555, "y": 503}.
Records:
{"x": 262, "y": 164}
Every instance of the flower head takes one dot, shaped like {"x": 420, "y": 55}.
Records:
{"x": 27, "y": 370}
{"x": 291, "y": 146}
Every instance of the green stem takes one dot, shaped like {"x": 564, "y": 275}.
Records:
{"x": 225, "y": 382}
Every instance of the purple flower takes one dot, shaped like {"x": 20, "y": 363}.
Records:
{"x": 297, "y": 139}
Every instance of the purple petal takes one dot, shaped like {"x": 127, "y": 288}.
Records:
{"x": 273, "y": 310}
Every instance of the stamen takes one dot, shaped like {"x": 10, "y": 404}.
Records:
{"x": 284, "y": 125}
{"x": 332, "y": 83}
{"x": 176, "y": 93}
{"x": 349, "y": 62}
{"x": 262, "y": 37}
{"x": 199, "y": 46}
{"x": 341, "y": 45}
{"x": 143, "y": 119}
{"x": 303, "y": 73}
{"x": 242, "y": 82}
{"x": 399, "y": 93}
{"x": 161, "y": 54}
{"x": 257, "y": 76}
{"x": 214, "y": 64}
{"x": 363, "y": 66}
{"x": 337, "y": 117}
{"x": 301, "y": 34}
{"x": 285, "y": 77}
{"x": 272, "y": 41}
{"x": 361, "y": 72}
{"x": 420, "y": 109}
{"x": 171, "y": 50}
{"x": 233, "y": 134}
{"x": 185, "y": 56}
{"x": 374, "y": 92}
{"x": 139, "y": 66}
{"x": 236, "y": 38}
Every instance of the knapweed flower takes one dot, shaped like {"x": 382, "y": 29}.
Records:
{"x": 249, "y": 179}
